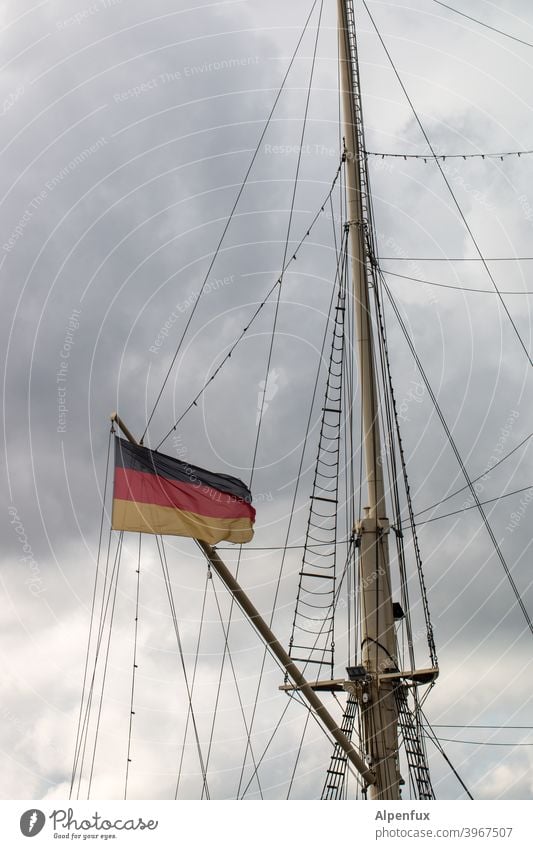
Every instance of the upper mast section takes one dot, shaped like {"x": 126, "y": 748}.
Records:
{"x": 357, "y": 190}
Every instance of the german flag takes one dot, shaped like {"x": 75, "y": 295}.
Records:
{"x": 157, "y": 494}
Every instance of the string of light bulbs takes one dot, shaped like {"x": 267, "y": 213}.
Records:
{"x": 442, "y": 157}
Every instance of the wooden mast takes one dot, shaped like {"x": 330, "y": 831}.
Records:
{"x": 376, "y": 696}
{"x": 274, "y": 645}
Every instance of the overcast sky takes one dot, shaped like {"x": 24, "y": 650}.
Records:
{"x": 127, "y": 130}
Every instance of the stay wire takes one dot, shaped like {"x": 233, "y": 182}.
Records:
{"x": 284, "y": 548}
{"x": 101, "y": 626}
{"x": 350, "y": 769}
{"x": 220, "y": 678}
{"x": 456, "y": 258}
{"x": 104, "y": 674}
{"x": 435, "y": 740}
{"x": 490, "y": 727}
{"x": 449, "y": 286}
{"x": 473, "y": 506}
{"x": 483, "y": 24}
{"x": 86, "y": 719}
{"x": 93, "y": 605}
{"x": 391, "y": 430}
{"x": 396, "y": 439}
{"x": 296, "y": 698}
{"x": 349, "y": 451}
{"x": 170, "y": 594}
{"x": 481, "y": 742}
{"x": 377, "y": 716}
{"x": 267, "y": 746}
{"x": 459, "y": 459}
{"x": 298, "y": 755}
{"x": 474, "y": 480}
{"x": 368, "y": 234}
{"x": 82, "y": 742}
{"x": 278, "y": 547}
{"x": 237, "y": 688}
{"x": 287, "y": 239}
{"x": 292, "y": 259}
{"x": 230, "y": 217}
{"x": 196, "y": 656}
{"x": 450, "y": 189}
{"x": 272, "y": 340}
{"x": 292, "y": 697}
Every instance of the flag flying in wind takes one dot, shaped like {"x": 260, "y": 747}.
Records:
{"x": 156, "y": 494}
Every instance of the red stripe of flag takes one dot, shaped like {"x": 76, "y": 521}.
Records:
{"x": 147, "y": 488}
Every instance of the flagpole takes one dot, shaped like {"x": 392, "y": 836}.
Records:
{"x": 274, "y": 645}
{"x": 116, "y": 418}
{"x": 290, "y": 667}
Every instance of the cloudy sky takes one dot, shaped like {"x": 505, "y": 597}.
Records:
{"x": 127, "y": 130}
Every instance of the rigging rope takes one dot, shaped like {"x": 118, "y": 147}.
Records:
{"x": 248, "y": 729}
{"x": 480, "y": 742}
{"x": 229, "y": 219}
{"x": 104, "y": 673}
{"x": 435, "y": 740}
{"x": 195, "y": 667}
{"x": 449, "y": 286}
{"x": 286, "y": 243}
{"x": 483, "y": 24}
{"x": 134, "y": 668}
{"x": 79, "y": 759}
{"x": 298, "y": 754}
{"x": 448, "y": 184}
{"x": 271, "y": 738}
{"x": 170, "y": 594}
{"x": 91, "y": 620}
{"x": 292, "y": 259}
{"x": 475, "y": 480}
{"x": 457, "y": 258}
{"x": 492, "y": 727}
{"x": 472, "y": 506}
{"x": 296, "y": 698}
{"x": 394, "y": 438}
{"x": 459, "y": 459}
{"x": 284, "y": 265}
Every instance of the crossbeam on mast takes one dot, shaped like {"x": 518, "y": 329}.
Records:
{"x": 274, "y": 645}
